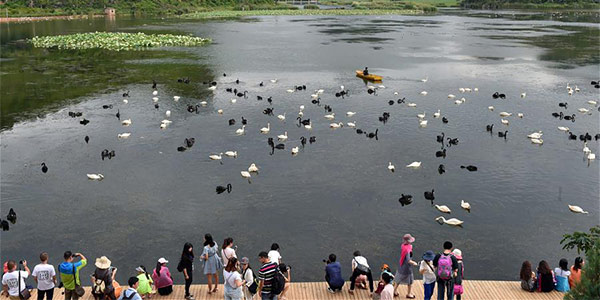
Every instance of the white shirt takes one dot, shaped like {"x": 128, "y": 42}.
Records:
{"x": 226, "y": 254}
{"x": 428, "y": 275}
{"x": 249, "y": 277}
{"x": 12, "y": 281}
{"x": 560, "y": 272}
{"x": 44, "y": 274}
{"x": 231, "y": 278}
{"x": 361, "y": 260}
{"x": 274, "y": 256}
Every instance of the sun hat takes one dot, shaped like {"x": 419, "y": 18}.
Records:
{"x": 140, "y": 269}
{"x": 102, "y": 262}
{"x": 457, "y": 253}
{"x": 162, "y": 260}
{"x": 429, "y": 255}
{"x": 385, "y": 267}
{"x": 408, "y": 238}
{"x": 244, "y": 261}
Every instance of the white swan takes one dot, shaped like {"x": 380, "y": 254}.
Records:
{"x": 583, "y": 110}
{"x": 459, "y": 102}
{"x": 350, "y": 113}
{"x": 423, "y": 123}
{"x": 523, "y": 95}
{"x": 505, "y": 114}
{"x": 468, "y": 90}
{"x": 203, "y": 103}
{"x": 168, "y": 113}
{"x": 295, "y": 150}
{"x": 231, "y": 153}
{"x": 414, "y": 165}
{"x": 421, "y": 116}
{"x": 351, "y": 124}
{"x": 504, "y": 121}
{"x": 592, "y": 102}
{"x": 220, "y": 111}
{"x": 253, "y": 168}
{"x": 165, "y": 121}
{"x": 425, "y": 79}
{"x": 491, "y": 108}
{"x": 290, "y": 91}
{"x": 535, "y": 135}
{"x": 577, "y": 209}
{"x": 465, "y": 205}
{"x": 443, "y": 208}
{"x": 125, "y": 101}
{"x": 475, "y": 89}
{"x": 126, "y": 122}
{"x": 391, "y": 167}
{"x": 300, "y": 114}
{"x": 176, "y": 98}
{"x": 281, "y": 117}
{"x": 410, "y": 104}
{"x": 216, "y": 156}
{"x": 565, "y": 129}
{"x": 520, "y": 115}
{"x": 212, "y": 88}
{"x": 273, "y": 80}
{"x": 586, "y": 150}
{"x": 309, "y": 126}
{"x": 452, "y": 221}
{"x": 245, "y": 174}
{"x": 301, "y": 107}
{"x": 424, "y": 93}
{"x": 155, "y": 99}
{"x": 241, "y": 131}
{"x": 233, "y": 100}
{"x": 437, "y": 114}
{"x": 462, "y": 90}
{"x": 283, "y": 137}
{"x": 123, "y": 135}
{"x": 330, "y": 116}
{"x": 266, "y": 130}
{"x": 591, "y": 156}
{"x": 336, "y": 125}
{"x": 537, "y": 141}
{"x": 163, "y": 125}
{"x": 155, "y": 93}
{"x": 95, "y": 177}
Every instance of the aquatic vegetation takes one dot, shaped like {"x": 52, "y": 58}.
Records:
{"x": 298, "y": 12}
{"x": 115, "y": 41}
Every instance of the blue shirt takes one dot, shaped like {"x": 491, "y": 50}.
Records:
{"x": 65, "y": 270}
{"x": 334, "y": 273}
{"x": 130, "y": 294}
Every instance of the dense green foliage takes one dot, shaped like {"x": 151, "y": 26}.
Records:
{"x": 115, "y": 41}
{"x": 589, "y": 287}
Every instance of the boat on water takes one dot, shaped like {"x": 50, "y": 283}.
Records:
{"x": 370, "y": 77}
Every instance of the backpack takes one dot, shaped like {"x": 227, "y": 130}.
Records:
{"x": 99, "y": 286}
{"x": 130, "y": 295}
{"x": 444, "y": 269}
{"x": 277, "y": 283}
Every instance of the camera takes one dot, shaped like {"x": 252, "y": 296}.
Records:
{"x": 20, "y": 262}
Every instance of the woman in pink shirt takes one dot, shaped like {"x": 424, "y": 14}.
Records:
{"x": 162, "y": 277}
{"x": 388, "y": 290}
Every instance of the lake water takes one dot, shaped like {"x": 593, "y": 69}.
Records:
{"x": 337, "y": 194}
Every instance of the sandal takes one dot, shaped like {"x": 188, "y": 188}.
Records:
{"x": 396, "y": 294}
{"x": 351, "y": 292}
{"x": 410, "y": 296}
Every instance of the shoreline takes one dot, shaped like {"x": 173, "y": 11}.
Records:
{"x": 473, "y": 289}
{"x": 47, "y": 18}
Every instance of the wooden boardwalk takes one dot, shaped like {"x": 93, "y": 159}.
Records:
{"x": 474, "y": 289}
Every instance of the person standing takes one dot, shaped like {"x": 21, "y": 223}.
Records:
{"x": 250, "y": 286}
{"x": 404, "y": 274}
{"x": 274, "y": 255}
{"x": 333, "y": 274}
{"x": 212, "y": 262}
{"x": 186, "y": 265}
{"x": 102, "y": 280}
{"x": 227, "y": 251}
{"x": 266, "y": 274}
{"x": 426, "y": 269}
{"x": 447, "y": 267}
{"x": 458, "y": 279}
{"x": 162, "y": 277}
{"x": 13, "y": 282}
{"x": 69, "y": 272}
{"x": 45, "y": 276}
{"x": 233, "y": 281}
{"x": 360, "y": 266}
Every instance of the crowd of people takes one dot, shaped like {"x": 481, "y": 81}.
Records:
{"x": 273, "y": 277}
{"x": 544, "y": 279}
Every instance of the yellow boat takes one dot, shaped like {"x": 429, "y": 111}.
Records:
{"x": 369, "y": 77}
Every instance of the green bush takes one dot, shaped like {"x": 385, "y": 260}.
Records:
{"x": 311, "y": 6}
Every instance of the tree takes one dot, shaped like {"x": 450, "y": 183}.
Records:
{"x": 583, "y": 241}
{"x": 589, "y": 286}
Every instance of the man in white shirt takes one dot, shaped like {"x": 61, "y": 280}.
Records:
{"x": 45, "y": 276}
{"x": 10, "y": 280}
{"x": 360, "y": 266}
{"x": 274, "y": 255}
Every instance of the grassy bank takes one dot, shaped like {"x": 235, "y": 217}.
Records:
{"x": 296, "y": 12}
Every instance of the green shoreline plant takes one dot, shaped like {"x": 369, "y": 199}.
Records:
{"x": 298, "y": 12}
{"x": 116, "y": 41}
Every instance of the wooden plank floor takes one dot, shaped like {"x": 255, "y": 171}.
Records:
{"x": 474, "y": 289}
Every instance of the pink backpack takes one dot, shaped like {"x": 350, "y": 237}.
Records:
{"x": 444, "y": 269}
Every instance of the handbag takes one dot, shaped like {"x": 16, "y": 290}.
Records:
{"x": 362, "y": 267}
{"x": 253, "y": 288}
{"x": 78, "y": 289}
{"x": 24, "y": 294}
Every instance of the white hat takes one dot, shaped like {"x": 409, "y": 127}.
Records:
{"x": 102, "y": 262}
{"x": 457, "y": 253}
{"x": 162, "y": 260}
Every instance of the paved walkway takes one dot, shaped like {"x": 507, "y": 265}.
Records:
{"x": 474, "y": 289}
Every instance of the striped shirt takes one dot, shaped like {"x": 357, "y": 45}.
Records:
{"x": 267, "y": 273}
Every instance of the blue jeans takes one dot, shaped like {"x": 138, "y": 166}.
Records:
{"x": 268, "y": 297}
{"x": 428, "y": 290}
{"x": 446, "y": 286}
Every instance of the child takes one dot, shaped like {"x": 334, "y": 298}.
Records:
{"x": 145, "y": 283}
{"x": 381, "y": 284}
{"x": 426, "y": 269}
{"x": 562, "y": 274}
{"x": 458, "y": 288}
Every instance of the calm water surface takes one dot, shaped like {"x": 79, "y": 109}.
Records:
{"x": 336, "y": 195}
